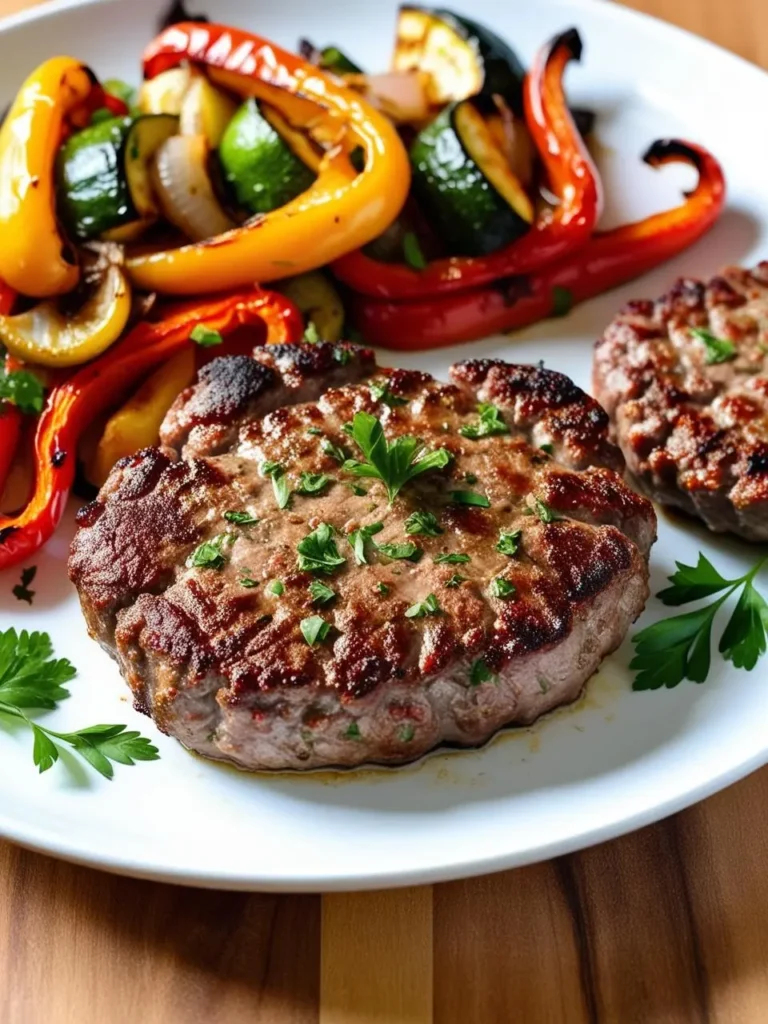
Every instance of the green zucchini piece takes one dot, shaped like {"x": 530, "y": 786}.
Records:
{"x": 318, "y": 300}
{"x": 265, "y": 162}
{"x": 102, "y": 177}
{"x": 465, "y": 185}
{"x": 330, "y": 58}
{"x": 462, "y": 58}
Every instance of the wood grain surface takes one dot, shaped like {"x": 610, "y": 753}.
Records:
{"x": 666, "y": 926}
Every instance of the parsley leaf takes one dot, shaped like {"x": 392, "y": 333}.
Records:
{"x": 491, "y": 423}
{"x": 208, "y": 555}
{"x": 690, "y": 583}
{"x": 674, "y": 649}
{"x": 280, "y": 485}
{"x": 205, "y": 337}
{"x": 502, "y": 588}
{"x": 276, "y": 587}
{"x": 743, "y": 639}
{"x": 454, "y": 558}
{"x": 313, "y": 483}
{"x": 321, "y": 593}
{"x": 21, "y": 591}
{"x": 719, "y": 350}
{"x": 23, "y": 389}
{"x": 406, "y": 732}
{"x": 408, "y": 551}
{"x": 395, "y": 463}
{"x": 31, "y": 678}
{"x": 247, "y": 581}
{"x": 429, "y": 606}
{"x": 470, "y": 498}
{"x": 543, "y": 511}
{"x": 318, "y": 552}
{"x": 456, "y": 580}
{"x": 480, "y": 673}
{"x": 381, "y": 393}
{"x": 509, "y": 543}
{"x": 334, "y": 451}
{"x": 412, "y": 253}
{"x": 423, "y": 522}
{"x": 241, "y": 518}
{"x": 358, "y": 539}
{"x": 315, "y": 431}
{"x": 352, "y": 732}
{"x": 311, "y": 334}
{"x": 314, "y": 629}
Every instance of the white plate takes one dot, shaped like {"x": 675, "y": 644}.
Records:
{"x": 613, "y": 762}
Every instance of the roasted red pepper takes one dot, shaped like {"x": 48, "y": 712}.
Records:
{"x": 610, "y": 258}
{"x": 73, "y": 405}
{"x": 570, "y": 173}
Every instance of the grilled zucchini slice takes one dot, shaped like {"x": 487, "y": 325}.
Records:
{"x": 464, "y": 183}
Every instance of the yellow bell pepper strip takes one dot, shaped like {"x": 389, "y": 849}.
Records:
{"x": 34, "y": 258}
{"x": 137, "y": 424}
{"x": 341, "y": 211}
{"x": 95, "y": 387}
{"x": 49, "y": 337}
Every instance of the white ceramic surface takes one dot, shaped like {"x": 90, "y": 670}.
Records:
{"x": 615, "y": 761}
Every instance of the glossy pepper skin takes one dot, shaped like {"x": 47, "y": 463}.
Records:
{"x": 342, "y": 210}
{"x": 571, "y": 175}
{"x": 10, "y": 417}
{"x": 610, "y": 258}
{"x": 34, "y": 258}
{"x": 72, "y": 405}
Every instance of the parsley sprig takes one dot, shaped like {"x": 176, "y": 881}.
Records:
{"x": 32, "y": 679}
{"x": 679, "y": 647}
{"x": 395, "y": 463}
{"x": 491, "y": 423}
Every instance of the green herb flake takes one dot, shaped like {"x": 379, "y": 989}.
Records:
{"x": 395, "y": 463}
{"x": 408, "y": 551}
{"x": 423, "y": 522}
{"x": 502, "y": 588}
{"x": 315, "y": 431}
{"x": 470, "y": 478}
{"x": 543, "y": 511}
{"x": 480, "y": 673}
{"x": 21, "y": 591}
{"x": 208, "y": 555}
{"x": 280, "y": 485}
{"x": 314, "y": 629}
{"x": 241, "y": 518}
{"x": 381, "y": 393}
{"x": 406, "y": 732}
{"x": 352, "y": 732}
{"x": 22, "y": 389}
{"x": 454, "y": 558}
{"x": 412, "y": 252}
{"x": 429, "y": 606}
{"x": 382, "y": 588}
{"x": 548, "y": 448}
{"x": 357, "y": 490}
{"x": 342, "y": 356}
{"x": 562, "y": 301}
{"x": 247, "y": 581}
{"x": 718, "y": 350}
{"x": 318, "y": 552}
{"x": 277, "y": 588}
{"x": 470, "y": 498}
{"x": 359, "y": 538}
{"x": 490, "y": 423}
{"x": 456, "y": 580}
{"x": 311, "y": 335}
{"x": 334, "y": 451}
{"x": 313, "y": 483}
{"x": 321, "y": 593}
{"x": 509, "y": 543}
{"x": 205, "y": 337}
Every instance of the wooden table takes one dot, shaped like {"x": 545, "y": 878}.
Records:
{"x": 667, "y": 925}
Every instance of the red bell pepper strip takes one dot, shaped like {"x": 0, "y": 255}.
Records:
{"x": 609, "y": 259}
{"x": 571, "y": 174}
{"x": 73, "y": 405}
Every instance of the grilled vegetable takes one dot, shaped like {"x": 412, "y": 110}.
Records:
{"x": 330, "y": 58}
{"x": 102, "y": 177}
{"x": 165, "y": 93}
{"x": 319, "y": 302}
{"x": 184, "y": 189}
{"x": 464, "y": 181}
{"x": 462, "y": 58}
{"x": 266, "y": 163}
{"x": 206, "y": 111}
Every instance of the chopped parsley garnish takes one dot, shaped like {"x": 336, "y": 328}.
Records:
{"x": 311, "y": 334}
{"x": 491, "y": 422}
{"x": 406, "y": 732}
{"x": 394, "y": 463}
{"x": 342, "y": 356}
{"x": 22, "y": 389}
{"x": 423, "y": 522}
{"x": 509, "y": 543}
{"x": 313, "y": 483}
{"x": 429, "y": 606}
{"x": 678, "y": 648}
{"x": 357, "y": 490}
{"x": 347, "y": 428}
{"x": 318, "y": 552}
{"x": 247, "y": 581}
{"x": 548, "y": 448}
{"x": 276, "y": 587}
{"x": 454, "y": 558}
{"x": 543, "y": 511}
{"x": 408, "y": 551}
{"x": 31, "y": 678}
{"x": 470, "y": 498}
{"x": 321, "y": 593}
{"x": 359, "y": 538}
{"x": 456, "y": 580}
{"x": 334, "y": 451}
{"x": 502, "y": 588}
{"x": 470, "y": 478}
{"x": 315, "y": 431}
{"x": 718, "y": 350}
{"x": 412, "y": 253}
{"x": 209, "y": 555}
{"x": 381, "y": 393}
{"x": 352, "y": 732}
{"x": 241, "y": 518}
{"x": 480, "y": 673}
{"x": 314, "y": 629}
{"x": 382, "y": 588}
{"x": 562, "y": 301}
{"x": 205, "y": 337}
{"x": 21, "y": 591}
{"x": 280, "y": 485}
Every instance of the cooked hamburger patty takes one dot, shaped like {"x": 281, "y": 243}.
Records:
{"x": 481, "y": 626}
{"x": 685, "y": 381}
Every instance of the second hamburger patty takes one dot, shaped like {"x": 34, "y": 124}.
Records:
{"x": 685, "y": 382}
{"x": 487, "y": 592}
